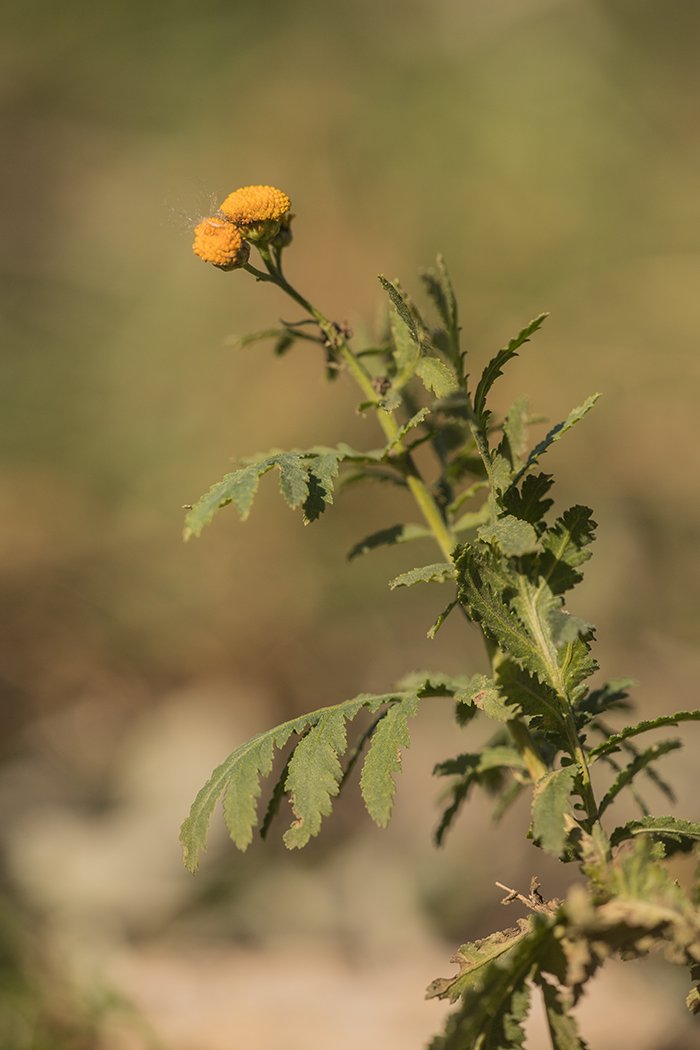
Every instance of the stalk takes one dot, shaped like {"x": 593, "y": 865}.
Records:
{"x": 417, "y": 486}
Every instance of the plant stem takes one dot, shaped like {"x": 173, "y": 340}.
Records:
{"x": 418, "y": 488}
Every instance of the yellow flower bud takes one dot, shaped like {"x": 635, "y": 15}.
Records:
{"x": 257, "y": 210}
{"x": 218, "y": 241}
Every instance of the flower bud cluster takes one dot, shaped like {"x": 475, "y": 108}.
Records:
{"x": 258, "y": 214}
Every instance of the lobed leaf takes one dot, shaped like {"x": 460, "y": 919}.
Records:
{"x": 613, "y": 742}
{"x": 240, "y": 775}
{"x": 495, "y": 368}
{"x": 678, "y": 836}
{"x": 495, "y": 993}
{"x": 513, "y": 536}
{"x": 557, "y": 432}
{"x": 439, "y": 571}
{"x": 566, "y": 547}
{"x": 439, "y": 288}
{"x": 638, "y": 763}
{"x": 384, "y": 758}
{"x": 514, "y": 444}
{"x": 550, "y": 807}
{"x": 436, "y": 376}
{"x": 314, "y": 776}
{"x": 401, "y": 304}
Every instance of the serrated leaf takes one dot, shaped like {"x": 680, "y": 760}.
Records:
{"x": 677, "y": 835}
{"x": 490, "y": 698}
{"x": 557, "y": 432}
{"x": 529, "y": 503}
{"x": 389, "y": 537}
{"x": 384, "y": 758}
{"x": 439, "y": 288}
{"x": 399, "y": 300}
{"x": 550, "y": 806}
{"x": 439, "y": 571}
{"x": 305, "y": 478}
{"x": 513, "y": 536}
{"x": 613, "y": 742}
{"x": 472, "y": 958}
{"x": 566, "y": 546}
{"x": 412, "y": 422}
{"x": 495, "y": 997}
{"x": 481, "y": 587}
{"x": 240, "y": 775}
{"x": 563, "y": 1028}
{"x": 514, "y": 445}
{"x": 638, "y": 763}
{"x": 294, "y": 480}
{"x": 238, "y": 487}
{"x": 567, "y": 628}
{"x": 406, "y": 353}
{"x": 314, "y": 776}
{"x": 441, "y": 619}
{"x": 436, "y": 376}
{"x": 495, "y": 367}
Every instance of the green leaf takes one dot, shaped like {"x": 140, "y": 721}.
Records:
{"x": 439, "y": 571}
{"x": 488, "y": 696}
{"x": 314, "y": 776}
{"x": 402, "y": 306}
{"x": 240, "y": 774}
{"x": 514, "y": 445}
{"x": 567, "y": 628}
{"x": 406, "y": 351}
{"x": 513, "y": 536}
{"x": 495, "y": 367}
{"x": 413, "y": 422}
{"x": 305, "y": 478}
{"x": 389, "y": 537}
{"x": 528, "y": 503}
{"x": 472, "y": 959}
{"x": 384, "y": 758}
{"x": 549, "y": 807}
{"x": 557, "y": 432}
{"x": 495, "y": 995}
{"x": 238, "y": 488}
{"x": 441, "y": 619}
{"x": 436, "y": 376}
{"x": 439, "y": 288}
{"x": 677, "y": 835}
{"x": 566, "y": 547}
{"x": 638, "y": 763}
{"x": 294, "y": 481}
{"x": 563, "y": 1028}
{"x": 613, "y": 742}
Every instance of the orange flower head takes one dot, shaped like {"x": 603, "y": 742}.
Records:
{"x": 218, "y": 241}
{"x": 257, "y": 210}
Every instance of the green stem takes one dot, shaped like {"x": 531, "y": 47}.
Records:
{"x": 420, "y": 491}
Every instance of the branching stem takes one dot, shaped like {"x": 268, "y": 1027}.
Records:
{"x": 338, "y": 343}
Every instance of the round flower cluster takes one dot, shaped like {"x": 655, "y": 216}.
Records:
{"x": 253, "y": 213}
{"x": 219, "y": 242}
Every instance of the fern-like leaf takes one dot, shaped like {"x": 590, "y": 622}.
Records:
{"x": 384, "y": 758}
{"x": 638, "y": 763}
{"x": 613, "y": 742}
{"x": 678, "y": 836}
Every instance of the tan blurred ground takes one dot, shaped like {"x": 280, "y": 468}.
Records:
{"x": 549, "y": 148}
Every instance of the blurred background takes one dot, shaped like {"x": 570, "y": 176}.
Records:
{"x": 550, "y": 150}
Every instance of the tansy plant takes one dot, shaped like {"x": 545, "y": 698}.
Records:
{"x": 510, "y": 564}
